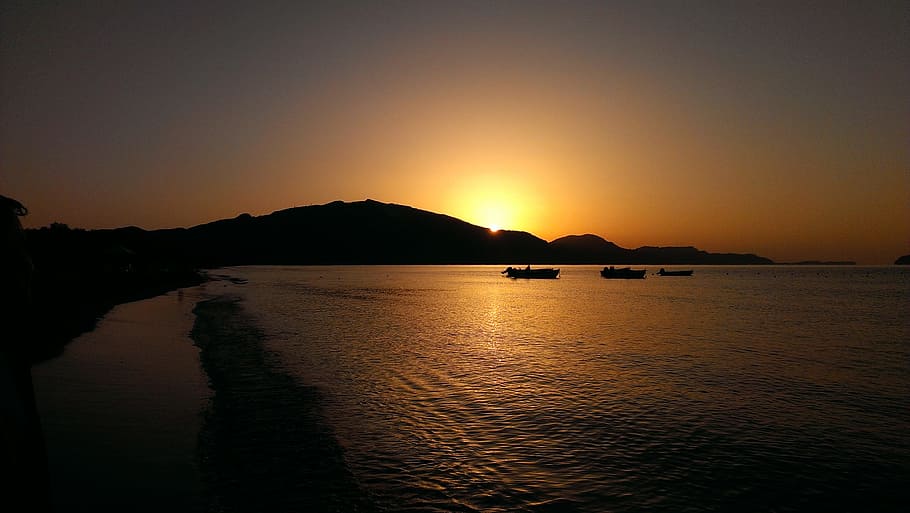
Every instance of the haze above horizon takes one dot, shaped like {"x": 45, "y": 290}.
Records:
{"x": 763, "y": 128}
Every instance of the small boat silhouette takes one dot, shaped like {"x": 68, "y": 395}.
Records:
{"x": 663, "y": 272}
{"x": 623, "y": 273}
{"x": 527, "y": 272}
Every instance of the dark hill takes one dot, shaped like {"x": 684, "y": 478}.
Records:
{"x": 693, "y": 256}
{"x": 370, "y": 232}
{"x": 367, "y": 232}
{"x": 904, "y": 260}
{"x": 363, "y": 232}
{"x": 587, "y": 249}
{"x": 591, "y": 249}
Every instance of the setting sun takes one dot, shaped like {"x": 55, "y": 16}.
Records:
{"x": 492, "y": 215}
{"x": 497, "y": 201}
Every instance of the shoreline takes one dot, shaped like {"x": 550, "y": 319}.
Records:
{"x": 121, "y": 410}
{"x": 173, "y": 401}
{"x": 264, "y": 445}
{"x": 77, "y": 303}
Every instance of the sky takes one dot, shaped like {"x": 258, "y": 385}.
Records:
{"x": 776, "y": 128}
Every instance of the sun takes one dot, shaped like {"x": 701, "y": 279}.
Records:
{"x": 496, "y": 201}
{"x": 492, "y": 214}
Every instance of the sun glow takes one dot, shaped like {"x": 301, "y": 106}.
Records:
{"x": 492, "y": 215}
{"x": 497, "y": 201}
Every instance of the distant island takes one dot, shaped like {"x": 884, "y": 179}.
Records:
{"x": 81, "y": 274}
{"x": 904, "y": 260}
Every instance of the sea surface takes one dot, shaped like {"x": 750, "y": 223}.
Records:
{"x": 736, "y": 389}
{"x": 453, "y": 388}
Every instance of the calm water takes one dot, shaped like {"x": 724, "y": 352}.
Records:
{"x": 738, "y": 389}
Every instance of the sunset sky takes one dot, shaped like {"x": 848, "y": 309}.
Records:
{"x": 779, "y": 128}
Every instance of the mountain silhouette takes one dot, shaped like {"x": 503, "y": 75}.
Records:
{"x": 371, "y": 232}
{"x": 362, "y": 232}
{"x": 693, "y": 256}
{"x": 591, "y": 249}
{"x": 587, "y": 249}
{"x": 904, "y": 260}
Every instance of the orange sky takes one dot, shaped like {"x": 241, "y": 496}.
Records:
{"x": 779, "y": 130}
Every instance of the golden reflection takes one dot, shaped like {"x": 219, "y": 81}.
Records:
{"x": 493, "y": 313}
{"x": 491, "y": 326}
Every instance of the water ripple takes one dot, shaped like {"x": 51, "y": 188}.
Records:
{"x": 735, "y": 391}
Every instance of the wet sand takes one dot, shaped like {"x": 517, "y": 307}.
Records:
{"x": 122, "y": 409}
{"x": 173, "y": 403}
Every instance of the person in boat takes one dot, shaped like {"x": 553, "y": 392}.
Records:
{"x": 528, "y": 268}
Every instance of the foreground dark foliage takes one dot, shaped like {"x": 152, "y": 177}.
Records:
{"x": 79, "y": 276}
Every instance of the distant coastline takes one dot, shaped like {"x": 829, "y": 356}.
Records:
{"x": 819, "y": 262}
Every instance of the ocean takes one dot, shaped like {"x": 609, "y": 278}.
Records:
{"x": 453, "y": 388}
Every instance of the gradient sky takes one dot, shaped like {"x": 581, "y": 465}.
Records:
{"x": 780, "y": 128}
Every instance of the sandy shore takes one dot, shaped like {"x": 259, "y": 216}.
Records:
{"x": 173, "y": 403}
{"x": 122, "y": 410}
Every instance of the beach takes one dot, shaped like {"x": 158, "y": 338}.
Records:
{"x": 122, "y": 408}
{"x": 172, "y": 402}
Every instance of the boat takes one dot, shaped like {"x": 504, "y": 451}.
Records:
{"x": 623, "y": 273}
{"x": 527, "y": 272}
{"x": 664, "y": 272}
